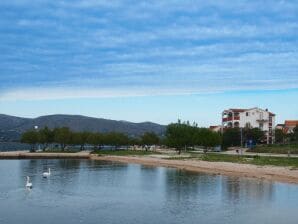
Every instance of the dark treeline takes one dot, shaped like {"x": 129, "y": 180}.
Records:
{"x": 232, "y": 136}
{"x": 64, "y": 137}
{"x": 239, "y": 137}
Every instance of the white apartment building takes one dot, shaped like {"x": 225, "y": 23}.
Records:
{"x": 250, "y": 118}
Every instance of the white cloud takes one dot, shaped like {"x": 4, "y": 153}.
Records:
{"x": 182, "y": 46}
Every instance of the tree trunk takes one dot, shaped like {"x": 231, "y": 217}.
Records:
{"x": 44, "y": 147}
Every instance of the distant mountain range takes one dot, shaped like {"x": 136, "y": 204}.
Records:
{"x": 12, "y": 127}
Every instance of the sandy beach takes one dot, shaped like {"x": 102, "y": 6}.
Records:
{"x": 271, "y": 173}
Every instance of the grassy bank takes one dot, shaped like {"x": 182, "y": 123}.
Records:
{"x": 255, "y": 160}
{"x": 279, "y": 149}
{"x": 124, "y": 152}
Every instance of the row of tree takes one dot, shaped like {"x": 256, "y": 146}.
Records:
{"x": 65, "y": 137}
{"x": 178, "y": 135}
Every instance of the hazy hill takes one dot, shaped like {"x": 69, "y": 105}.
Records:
{"x": 12, "y": 127}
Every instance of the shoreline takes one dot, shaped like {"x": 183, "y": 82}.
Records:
{"x": 42, "y": 155}
{"x": 270, "y": 173}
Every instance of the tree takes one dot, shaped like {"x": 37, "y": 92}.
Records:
{"x": 46, "y": 136}
{"x": 294, "y": 135}
{"x": 62, "y": 136}
{"x": 255, "y": 134}
{"x": 79, "y": 138}
{"x": 134, "y": 141}
{"x": 30, "y": 137}
{"x": 280, "y": 136}
{"x": 205, "y": 137}
{"x": 212, "y": 139}
{"x": 116, "y": 139}
{"x": 149, "y": 138}
{"x": 231, "y": 137}
{"x": 178, "y": 136}
{"x": 183, "y": 135}
{"x": 96, "y": 139}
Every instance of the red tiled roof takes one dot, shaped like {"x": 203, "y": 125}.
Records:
{"x": 291, "y": 123}
{"x": 238, "y": 110}
{"x": 242, "y": 110}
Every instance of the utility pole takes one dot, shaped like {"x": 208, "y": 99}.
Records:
{"x": 241, "y": 137}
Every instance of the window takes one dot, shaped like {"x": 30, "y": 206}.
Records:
{"x": 247, "y": 114}
{"x": 247, "y": 125}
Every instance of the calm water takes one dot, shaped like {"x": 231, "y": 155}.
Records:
{"x": 83, "y": 191}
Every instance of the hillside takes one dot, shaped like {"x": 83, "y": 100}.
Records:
{"x": 12, "y": 127}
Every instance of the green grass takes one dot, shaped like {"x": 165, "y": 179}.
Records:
{"x": 255, "y": 160}
{"x": 279, "y": 149}
{"x": 124, "y": 152}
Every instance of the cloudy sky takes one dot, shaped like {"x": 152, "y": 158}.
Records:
{"x": 152, "y": 60}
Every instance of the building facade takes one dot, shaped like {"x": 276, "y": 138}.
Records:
{"x": 250, "y": 118}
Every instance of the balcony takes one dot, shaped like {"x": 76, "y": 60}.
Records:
{"x": 225, "y": 119}
{"x": 262, "y": 120}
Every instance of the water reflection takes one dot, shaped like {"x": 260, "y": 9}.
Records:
{"x": 235, "y": 189}
{"x": 178, "y": 184}
{"x": 95, "y": 191}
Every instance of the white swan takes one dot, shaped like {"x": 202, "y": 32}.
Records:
{"x": 28, "y": 183}
{"x": 47, "y": 174}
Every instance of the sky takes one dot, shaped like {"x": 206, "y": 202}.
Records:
{"x": 148, "y": 60}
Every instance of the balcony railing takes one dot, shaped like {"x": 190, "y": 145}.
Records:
{"x": 262, "y": 120}
{"x": 225, "y": 119}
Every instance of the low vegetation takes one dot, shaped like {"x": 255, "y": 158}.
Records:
{"x": 255, "y": 160}
{"x": 279, "y": 149}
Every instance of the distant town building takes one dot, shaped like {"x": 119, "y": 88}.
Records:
{"x": 215, "y": 128}
{"x": 280, "y": 126}
{"x": 288, "y": 126}
{"x": 250, "y": 118}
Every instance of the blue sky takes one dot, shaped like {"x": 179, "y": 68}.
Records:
{"x": 148, "y": 60}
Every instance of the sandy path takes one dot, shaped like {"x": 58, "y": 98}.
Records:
{"x": 271, "y": 173}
